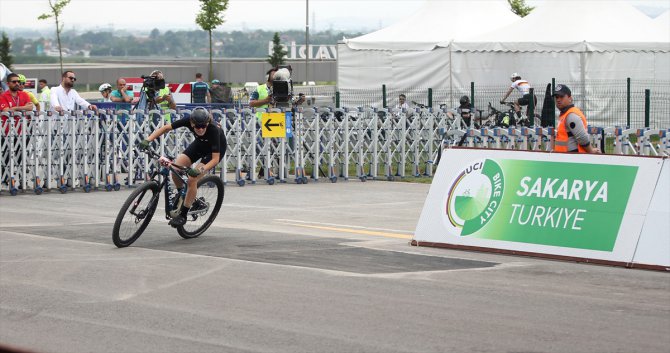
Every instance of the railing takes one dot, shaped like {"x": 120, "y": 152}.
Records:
{"x": 88, "y": 150}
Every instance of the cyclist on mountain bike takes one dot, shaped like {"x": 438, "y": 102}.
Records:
{"x": 209, "y": 147}
{"x": 523, "y": 87}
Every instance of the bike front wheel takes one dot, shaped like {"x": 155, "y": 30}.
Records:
{"x": 205, "y": 207}
{"x": 135, "y": 214}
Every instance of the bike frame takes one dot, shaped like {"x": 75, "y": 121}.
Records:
{"x": 166, "y": 168}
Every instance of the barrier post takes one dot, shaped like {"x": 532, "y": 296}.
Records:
{"x": 430, "y": 97}
{"x": 531, "y": 105}
{"x": 553, "y": 103}
{"x": 472, "y": 94}
{"x": 337, "y": 99}
{"x": 383, "y": 96}
{"x": 628, "y": 102}
{"x": 647, "y": 103}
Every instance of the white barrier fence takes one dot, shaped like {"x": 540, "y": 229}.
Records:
{"x": 90, "y": 150}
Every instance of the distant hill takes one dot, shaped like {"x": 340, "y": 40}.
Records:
{"x": 183, "y": 43}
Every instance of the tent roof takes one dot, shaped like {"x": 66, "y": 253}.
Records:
{"x": 436, "y": 22}
{"x": 574, "y": 25}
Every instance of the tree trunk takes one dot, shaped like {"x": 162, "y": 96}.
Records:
{"x": 60, "y": 50}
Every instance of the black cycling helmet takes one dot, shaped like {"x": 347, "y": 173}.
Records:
{"x": 200, "y": 116}
{"x": 465, "y": 100}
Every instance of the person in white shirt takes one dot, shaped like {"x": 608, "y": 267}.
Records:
{"x": 402, "y": 102}
{"x": 65, "y": 98}
{"x": 45, "y": 94}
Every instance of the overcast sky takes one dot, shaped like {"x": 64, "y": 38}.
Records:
{"x": 364, "y": 15}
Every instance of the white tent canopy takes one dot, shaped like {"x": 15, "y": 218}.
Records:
{"x": 405, "y": 55}
{"x": 435, "y": 22}
{"x": 569, "y": 25}
{"x": 582, "y": 42}
{"x": 662, "y": 22}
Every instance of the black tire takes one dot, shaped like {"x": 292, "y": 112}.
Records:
{"x": 128, "y": 226}
{"x": 210, "y": 191}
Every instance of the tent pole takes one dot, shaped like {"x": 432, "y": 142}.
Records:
{"x": 451, "y": 77}
{"x": 582, "y": 59}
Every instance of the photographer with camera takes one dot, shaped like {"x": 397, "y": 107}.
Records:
{"x": 262, "y": 97}
{"x": 156, "y": 95}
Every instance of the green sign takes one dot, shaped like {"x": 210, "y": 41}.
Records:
{"x": 572, "y": 205}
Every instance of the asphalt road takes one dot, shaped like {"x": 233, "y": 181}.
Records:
{"x": 301, "y": 268}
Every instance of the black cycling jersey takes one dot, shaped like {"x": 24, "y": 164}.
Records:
{"x": 212, "y": 141}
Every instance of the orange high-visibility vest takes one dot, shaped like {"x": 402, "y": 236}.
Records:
{"x": 562, "y": 135}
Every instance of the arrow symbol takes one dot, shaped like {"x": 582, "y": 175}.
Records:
{"x": 267, "y": 124}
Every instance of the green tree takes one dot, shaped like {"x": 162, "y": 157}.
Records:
{"x": 56, "y": 10}
{"x": 210, "y": 17}
{"x": 5, "y": 50}
{"x": 520, "y": 8}
{"x": 278, "y": 52}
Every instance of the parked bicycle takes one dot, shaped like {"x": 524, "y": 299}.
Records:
{"x": 506, "y": 118}
{"x": 139, "y": 208}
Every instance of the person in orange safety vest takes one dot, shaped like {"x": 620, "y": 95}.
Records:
{"x": 571, "y": 133}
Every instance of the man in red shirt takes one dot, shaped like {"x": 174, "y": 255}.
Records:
{"x": 14, "y": 98}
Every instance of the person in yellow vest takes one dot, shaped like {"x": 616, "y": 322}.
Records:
{"x": 262, "y": 97}
{"x": 22, "y": 84}
{"x": 571, "y": 132}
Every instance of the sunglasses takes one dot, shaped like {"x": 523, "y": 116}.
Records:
{"x": 72, "y": 78}
{"x": 14, "y": 81}
{"x": 200, "y": 126}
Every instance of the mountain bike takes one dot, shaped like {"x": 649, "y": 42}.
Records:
{"x": 139, "y": 208}
{"x": 509, "y": 118}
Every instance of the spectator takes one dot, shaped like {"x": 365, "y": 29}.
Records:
{"x": 402, "y": 102}
{"x": 105, "y": 90}
{"x": 22, "y": 85}
{"x": 571, "y": 133}
{"x": 45, "y": 94}
{"x": 220, "y": 92}
{"x": 120, "y": 94}
{"x": 200, "y": 90}
{"x": 465, "y": 110}
{"x": 65, "y": 97}
{"x": 15, "y": 99}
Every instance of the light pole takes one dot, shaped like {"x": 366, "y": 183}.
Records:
{"x": 307, "y": 42}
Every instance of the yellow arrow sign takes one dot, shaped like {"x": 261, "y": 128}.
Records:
{"x": 273, "y": 125}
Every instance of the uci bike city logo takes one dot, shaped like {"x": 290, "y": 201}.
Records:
{"x": 474, "y": 197}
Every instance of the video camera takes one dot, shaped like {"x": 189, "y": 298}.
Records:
{"x": 152, "y": 83}
{"x": 282, "y": 86}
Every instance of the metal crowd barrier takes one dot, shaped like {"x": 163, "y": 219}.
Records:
{"x": 97, "y": 150}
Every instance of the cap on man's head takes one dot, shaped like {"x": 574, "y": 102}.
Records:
{"x": 22, "y": 78}
{"x": 215, "y": 82}
{"x": 562, "y": 90}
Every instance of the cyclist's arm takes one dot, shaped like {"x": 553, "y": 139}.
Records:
{"x": 159, "y": 132}
{"x": 509, "y": 91}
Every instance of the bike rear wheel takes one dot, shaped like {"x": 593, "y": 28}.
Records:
{"x": 205, "y": 208}
{"x": 135, "y": 214}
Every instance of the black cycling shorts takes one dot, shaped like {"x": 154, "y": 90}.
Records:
{"x": 200, "y": 150}
{"x": 525, "y": 100}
